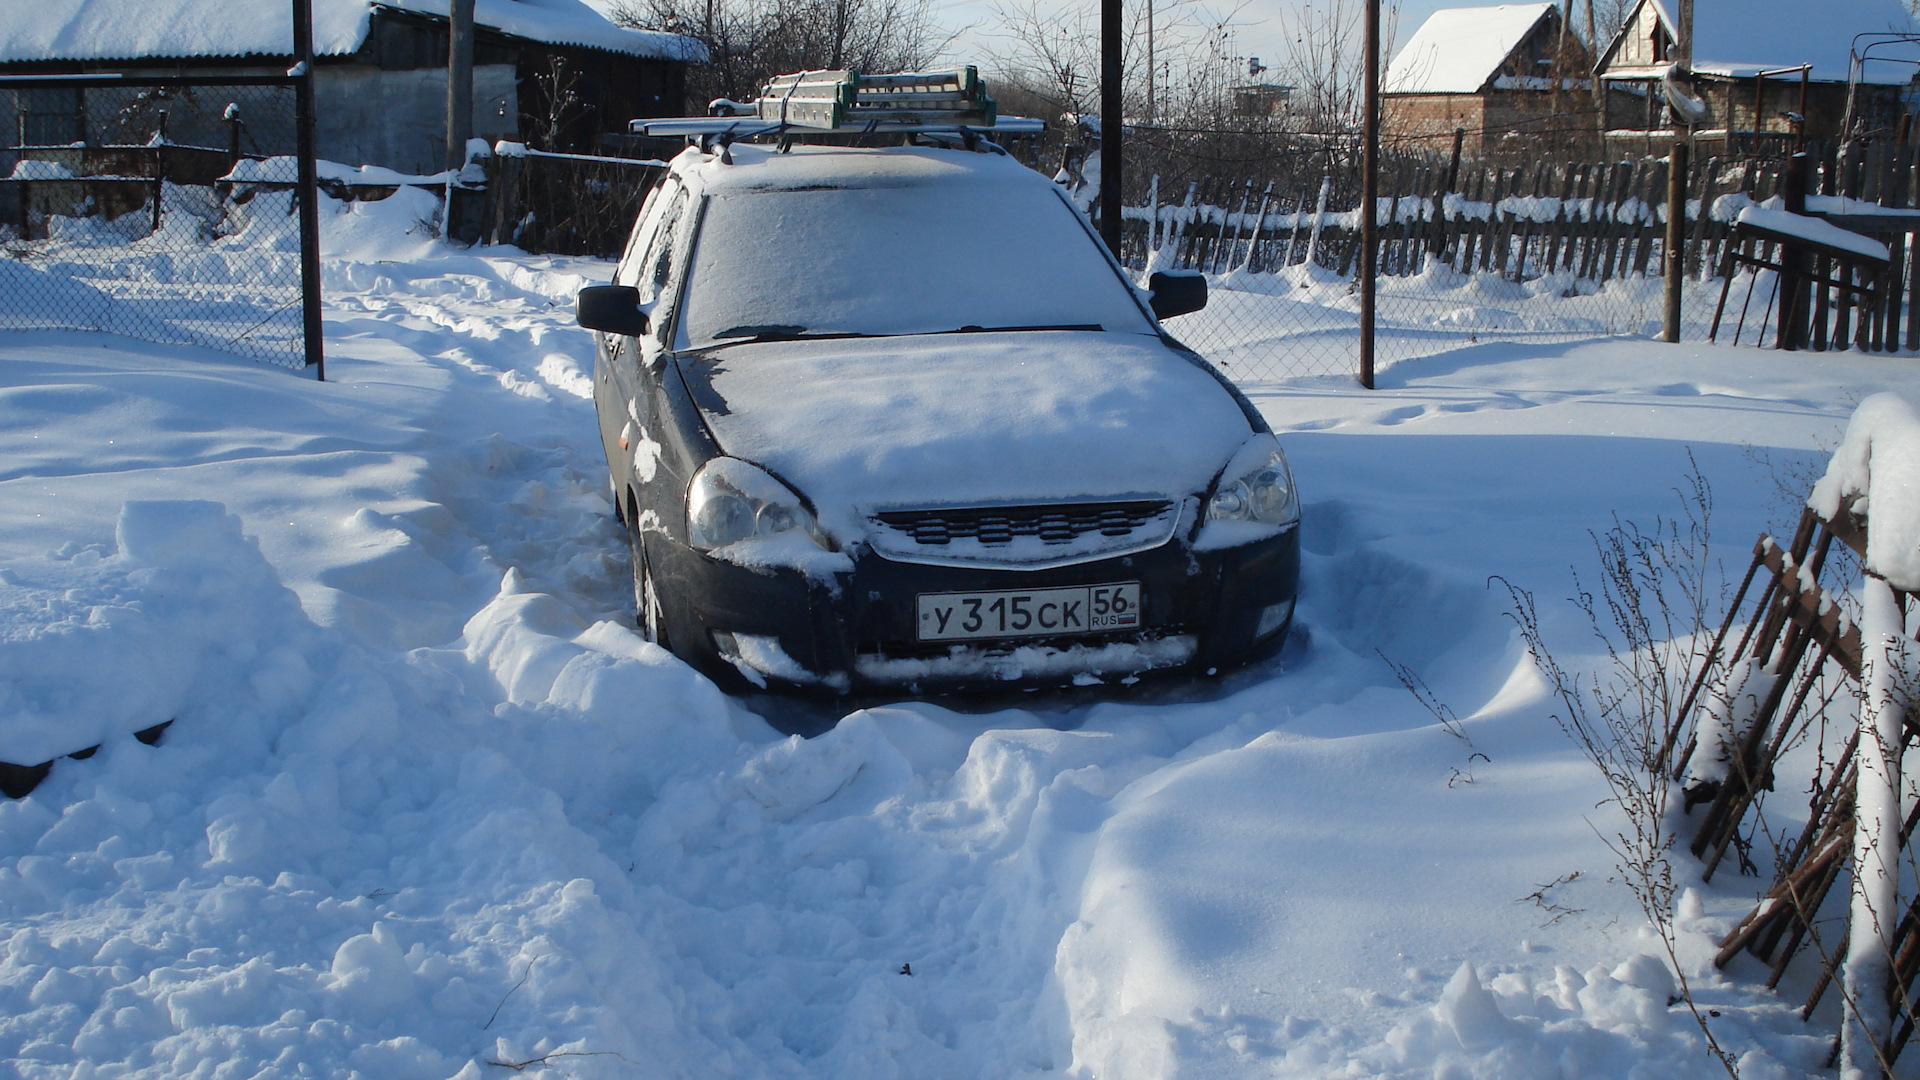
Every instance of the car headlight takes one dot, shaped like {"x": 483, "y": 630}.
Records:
{"x": 731, "y": 500}
{"x": 1256, "y": 486}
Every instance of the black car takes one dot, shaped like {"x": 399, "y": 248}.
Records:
{"x": 894, "y": 417}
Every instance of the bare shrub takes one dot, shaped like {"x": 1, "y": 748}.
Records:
{"x": 1653, "y": 616}
{"x": 750, "y": 41}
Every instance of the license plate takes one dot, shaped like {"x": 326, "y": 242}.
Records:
{"x": 1084, "y": 609}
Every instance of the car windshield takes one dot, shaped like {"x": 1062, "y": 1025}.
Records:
{"x": 920, "y": 259}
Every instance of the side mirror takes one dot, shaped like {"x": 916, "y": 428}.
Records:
{"x": 1176, "y": 292}
{"x": 614, "y": 309}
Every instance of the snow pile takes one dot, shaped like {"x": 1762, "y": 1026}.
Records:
{"x": 33, "y": 297}
{"x": 33, "y": 169}
{"x": 184, "y": 596}
{"x": 1875, "y": 472}
{"x": 219, "y": 271}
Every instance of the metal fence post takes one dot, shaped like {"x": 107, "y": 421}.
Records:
{"x": 1369, "y": 194}
{"x": 1111, "y": 122}
{"x": 309, "y": 186}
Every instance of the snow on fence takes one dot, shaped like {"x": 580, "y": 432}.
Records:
{"x": 1777, "y": 693}
{"x": 1546, "y": 252}
{"x": 119, "y": 211}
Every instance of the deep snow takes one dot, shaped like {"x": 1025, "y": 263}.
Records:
{"x": 429, "y": 804}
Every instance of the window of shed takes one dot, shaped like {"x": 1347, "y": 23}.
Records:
{"x": 50, "y": 116}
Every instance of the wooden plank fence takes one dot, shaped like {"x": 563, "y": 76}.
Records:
{"x": 1592, "y": 222}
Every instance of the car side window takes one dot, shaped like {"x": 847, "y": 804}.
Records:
{"x": 645, "y": 228}
{"x": 658, "y": 266}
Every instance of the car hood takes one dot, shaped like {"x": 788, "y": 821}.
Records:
{"x": 870, "y": 424}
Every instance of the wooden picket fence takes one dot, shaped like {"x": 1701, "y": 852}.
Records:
{"x": 1592, "y": 222}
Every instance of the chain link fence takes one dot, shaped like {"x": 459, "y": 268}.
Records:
{"x": 1553, "y": 252}
{"x": 1542, "y": 251}
{"x": 161, "y": 209}
{"x": 563, "y": 204}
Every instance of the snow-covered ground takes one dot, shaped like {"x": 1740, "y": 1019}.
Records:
{"x": 429, "y": 808}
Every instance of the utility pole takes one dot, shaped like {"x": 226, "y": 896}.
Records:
{"x": 459, "y": 81}
{"x": 1111, "y": 121}
{"x": 1676, "y": 245}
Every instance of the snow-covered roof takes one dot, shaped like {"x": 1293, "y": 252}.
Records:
{"x": 139, "y": 29}
{"x": 1458, "y": 49}
{"x": 1740, "y": 38}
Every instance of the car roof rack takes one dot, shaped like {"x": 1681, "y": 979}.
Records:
{"x": 825, "y": 104}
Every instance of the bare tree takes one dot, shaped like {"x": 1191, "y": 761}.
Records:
{"x": 1608, "y": 16}
{"x": 1053, "y": 52}
{"x": 750, "y": 41}
{"x": 1047, "y": 52}
{"x": 1326, "y": 60}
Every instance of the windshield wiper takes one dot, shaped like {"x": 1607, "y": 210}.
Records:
{"x": 1023, "y": 329}
{"x": 750, "y": 335}
{"x": 763, "y": 332}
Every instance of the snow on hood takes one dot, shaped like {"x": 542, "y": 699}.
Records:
{"x": 966, "y": 419}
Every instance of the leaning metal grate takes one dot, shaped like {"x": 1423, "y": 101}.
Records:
{"x": 1054, "y": 523}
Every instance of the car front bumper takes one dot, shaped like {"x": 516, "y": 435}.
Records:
{"x": 1200, "y": 610}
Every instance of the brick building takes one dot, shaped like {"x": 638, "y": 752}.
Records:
{"x": 1510, "y": 75}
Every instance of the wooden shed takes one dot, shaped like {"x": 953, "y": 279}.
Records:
{"x": 1747, "y": 56}
{"x": 554, "y": 73}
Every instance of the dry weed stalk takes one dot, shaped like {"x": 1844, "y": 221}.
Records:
{"x": 1658, "y": 592}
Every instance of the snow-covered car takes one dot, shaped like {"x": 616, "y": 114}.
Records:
{"x": 894, "y": 416}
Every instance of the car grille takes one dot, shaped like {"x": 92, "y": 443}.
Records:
{"x": 1055, "y": 523}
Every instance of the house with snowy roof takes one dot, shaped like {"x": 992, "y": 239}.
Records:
{"x": 551, "y": 71}
{"x": 1504, "y": 74}
{"x": 1746, "y": 69}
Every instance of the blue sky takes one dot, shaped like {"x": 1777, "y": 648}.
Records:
{"x": 1260, "y": 27}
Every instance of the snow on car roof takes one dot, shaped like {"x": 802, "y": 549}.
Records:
{"x": 763, "y": 167}
{"x": 134, "y": 29}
